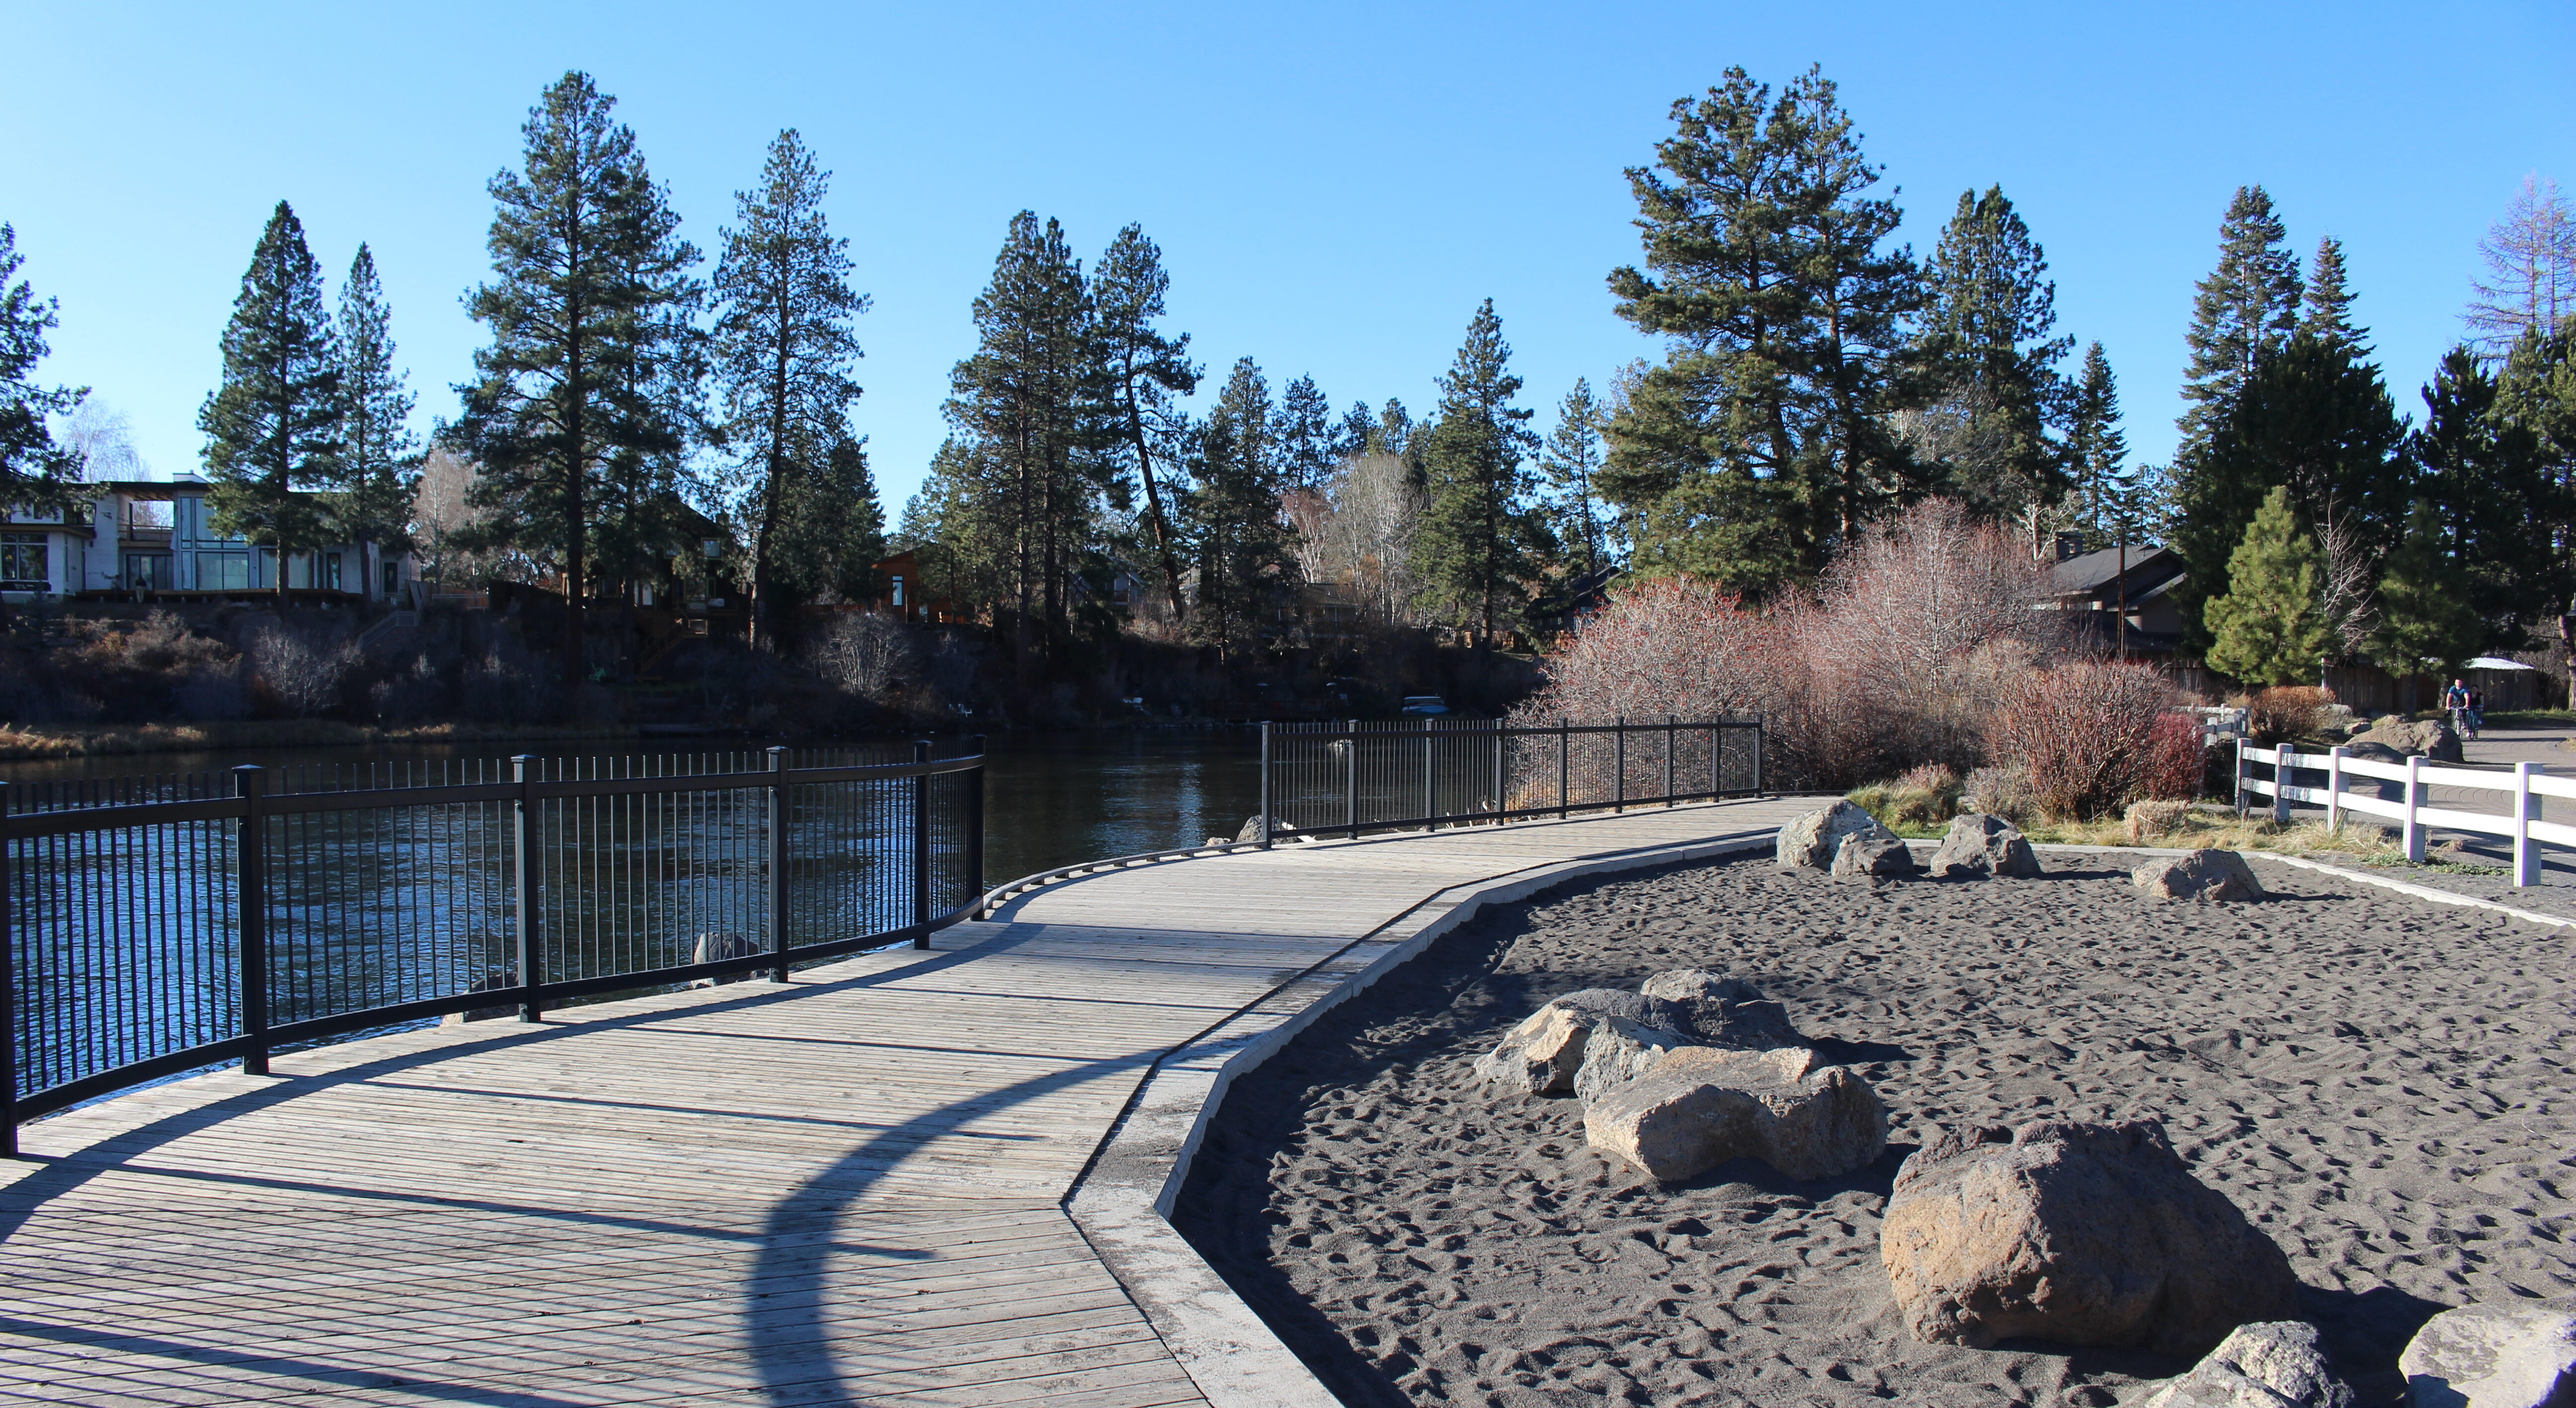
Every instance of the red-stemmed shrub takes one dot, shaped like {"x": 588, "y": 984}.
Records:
{"x": 2094, "y": 737}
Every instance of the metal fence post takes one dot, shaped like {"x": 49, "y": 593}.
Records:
{"x": 1264, "y": 837}
{"x": 528, "y": 944}
{"x": 1619, "y": 798}
{"x": 2414, "y": 824}
{"x": 2526, "y": 810}
{"x": 1501, "y": 739}
{"x": 1430, "y": 780}
{"x": 1564, "y": 766}
{"x": 2281, "y": 757}
{"x": 8, "y": 993}
{"x": 1351, "y": 783}
{"x": 975, "y": 823}
{"x": 1757, "y": 755}
{"x": 1670, "y": 721}
{"x": 250, "y": 894}
{"x": 778, "y": 936}
{"x": 921, "y": 846}
{"x": 2334, "y": 786}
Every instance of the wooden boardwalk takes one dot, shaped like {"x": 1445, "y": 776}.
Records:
{"x": 846, "y": 1189}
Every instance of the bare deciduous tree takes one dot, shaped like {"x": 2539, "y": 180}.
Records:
{"x": 2531, "y": 269}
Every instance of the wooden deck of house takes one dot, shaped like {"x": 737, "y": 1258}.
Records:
{"x": 846, "y": 1189}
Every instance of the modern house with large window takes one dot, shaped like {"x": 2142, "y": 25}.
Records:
{"x": 157, "y": 538}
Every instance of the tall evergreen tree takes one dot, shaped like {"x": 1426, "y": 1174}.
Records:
{"x": 1992, "y": 353}
{"x": 1146, "y": 370}
{"x": 784, "y": 349}
{"x": 1247, "y": 561}
{"x": 2536, "y": 394}
{"x": 273, "y": 428}
{"x": 1571, "y": 459}
{"x": 35, "y": 473}
{"x": 1030, "y": 406}
{"x": 1482, "y": 540}
{"x": 1304, "y": 431}
{"x": 2246, "y": 309}
{"x": 1393, "y": 434}
{"x": 2424, "y": 616}
{"x": 586, "y": 393}
{"x": 830, "y": 531}
{"x": 2490, "y": 480}
{"x": 2098, "y": 452}
{"x": 1351, "y": 436}
{"x": 2327, "y": 314}
{"x": 2268, "y": 628}
{"x": 1762, "y": 440}
{"x": 379, "y": 454}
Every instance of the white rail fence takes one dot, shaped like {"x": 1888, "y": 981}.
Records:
{"x": 2523, "y": 789}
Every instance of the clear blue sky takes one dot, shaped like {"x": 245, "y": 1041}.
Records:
{"x": 1334, "y": 186}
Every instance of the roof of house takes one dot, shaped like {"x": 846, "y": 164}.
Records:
{"x": 2092, "y": 573}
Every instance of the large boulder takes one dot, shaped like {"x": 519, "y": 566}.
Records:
{"x": 2276, "y": 1364}
{"x": 1873, "y": 857}
{"x": 2494, "y": 1356}
{"x": 1543, "y": 1054}
{"x": 2430, "y": 739}
{"x": 1810, "y": 841}
{"x": 2204, "y": 874}
{"x": 1722, "y": 1011}
{"x": 2083, "y": 1234}
{"x": 1980, "y": 846}
{"x": 1619, "y": 1051}
{"x": 1702, "y": 1105}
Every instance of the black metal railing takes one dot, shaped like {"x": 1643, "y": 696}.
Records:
{"x": 150, "y": 926}
{"x": 1351, "y": 777}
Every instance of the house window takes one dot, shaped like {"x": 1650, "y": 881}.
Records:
{"x": 148, "y": 571}
{"x": 223, "y": 571}
{"x": 23, "y": 566}
{"x": 393, "y": 579}
{"x": 330, "y": 564}
{"x": 898, "y": 591}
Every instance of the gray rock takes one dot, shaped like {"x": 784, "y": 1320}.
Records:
{"x": 1543, "y": 1054}
{"x": 1722, "y": 1011}
{"x": 2494, "y": 1356}
{"x": 1809, "y": 842}
{"x": 2204, "y": 874}
{"x": 1618, "y": 1051}
{"x": 2274, "y": 1364}
{"x": 715, "y": 948}
{"x": 2084, "y": 1234}
{"x": 2429, "y": 739}
{"x": 1874, "y": 857}
{"x": 1980, "y": 846}
{"x": 1700, "y": 1106}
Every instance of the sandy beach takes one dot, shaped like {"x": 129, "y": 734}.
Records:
{"x": 2382, "y": 1084}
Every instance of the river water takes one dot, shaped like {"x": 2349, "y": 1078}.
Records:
{"x": 1051, "y": 799}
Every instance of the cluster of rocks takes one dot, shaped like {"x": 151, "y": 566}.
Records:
{"x": 1693, "y": 1069}
{"x": 1843, "y": 839}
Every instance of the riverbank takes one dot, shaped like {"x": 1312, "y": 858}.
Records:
{"x": 23, "y": 742}
{"x": 2376, "y": 1080}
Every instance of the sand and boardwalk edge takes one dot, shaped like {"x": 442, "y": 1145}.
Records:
{"x": 1122, "y": 1203}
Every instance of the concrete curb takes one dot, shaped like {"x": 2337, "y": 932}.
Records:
{"x": 1123, "y": 1203}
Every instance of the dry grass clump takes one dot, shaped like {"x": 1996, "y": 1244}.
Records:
{"x": 2147, "y": 821}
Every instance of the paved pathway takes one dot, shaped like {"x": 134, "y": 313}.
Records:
{"x": 845, "y": 1189}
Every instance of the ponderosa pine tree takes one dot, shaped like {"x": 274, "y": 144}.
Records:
{"x": 2268, "y": 628}
{"x": 584, "y": 398}
{"x": 1029, "y": 406}
{"x": 1991, "y": 351}
{"x": 1351, "y": 436}
{"x": 1245, "y": 551}
{"x": 2246, "y": 309}
{"x": 1482, "y": 543}
{"x": 35, "y": 473}
{"x": 274, "y": 426}
{"x": 1393, "y": 433}
{"x": 2491, "y": 483}
{"x": 1304, "y": 432}
{"x": 784, "y": 351}
{"x": 1571, "y": 459}
{"x": 2425, "y": 619}
{"x": 379, "y": 454}
{"x": 1762, "y": 439}
{"x": 1145, "y": 370}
